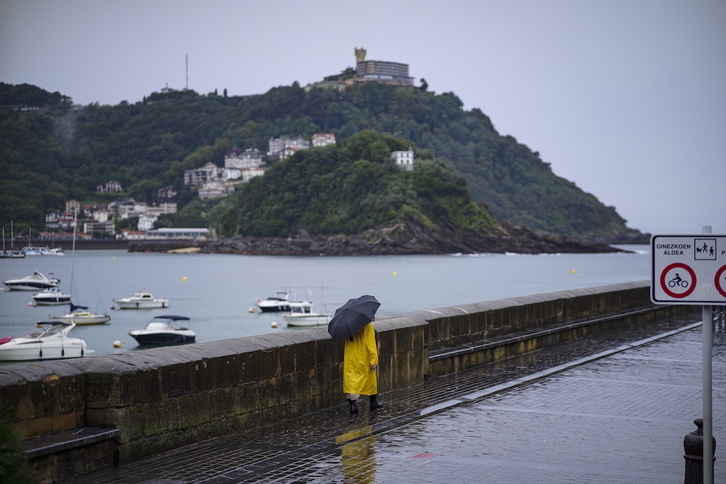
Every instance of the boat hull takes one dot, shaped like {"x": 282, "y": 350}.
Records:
{"x": 18, "y": 350}
{"x": 132, "y": 304}
{"x": 51, "y": 301}
{"x": 82, "y": 319}
{"x": 28, "y": 286}
{"x": 273, "y": 308}
{"x": 36, "y": 282}
{"x": 162, "y": 339}
{"x": 307, "y": 320}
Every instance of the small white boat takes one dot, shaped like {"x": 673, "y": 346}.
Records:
{"x": 80, "y": 315}
{"x": 142, "y": 300}
{"x": 165, "y": 330}
{"x": 48, "y": 341}
{"x": 51, "y": 296}
{"x": 36, "y": 282}
{"x": 301, "y": 314}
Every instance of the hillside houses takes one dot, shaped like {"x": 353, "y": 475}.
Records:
{"x": 242, "y": 166}
{"x": 97, "y": 218}
{"x": 211, "y": 181}
{"x": 110, "y": 186}
{"x": 285, "y": 146}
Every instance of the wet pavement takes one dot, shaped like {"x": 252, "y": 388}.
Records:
{"x": 613, "y": 408}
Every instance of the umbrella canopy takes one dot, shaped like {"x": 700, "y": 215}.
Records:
{"x": 352, "y": 316}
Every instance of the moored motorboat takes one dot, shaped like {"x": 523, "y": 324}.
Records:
{"x": 51, "y": 296}
{"x": 142, "y": 300}
{"x": 44, "y": 250}
{"x": 80, "y": 315}
{"x": 301, "y": 314}
{"x": 48, "y": 341}
{"x": 278, "y": 302}
{"x": 165, "y": 330}
{"x": 35, "y": 282}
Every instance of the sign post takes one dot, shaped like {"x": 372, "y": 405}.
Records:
{"x": 691, "y": 269}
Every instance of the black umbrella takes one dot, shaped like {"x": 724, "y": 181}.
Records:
{"x": 352, "y": 316}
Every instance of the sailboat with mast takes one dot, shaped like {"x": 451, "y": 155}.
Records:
{"x": 12, "y": 253}
{"x": 80, "y": 315}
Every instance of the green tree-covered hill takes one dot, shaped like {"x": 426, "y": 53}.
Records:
{"x": 350, "y": 188}
{"x": 55, "y": 151}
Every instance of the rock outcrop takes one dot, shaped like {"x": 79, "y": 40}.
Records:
{"x": 407, "y": 239}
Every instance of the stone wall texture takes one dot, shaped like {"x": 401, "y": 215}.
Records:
{"x": 167, "y": 397}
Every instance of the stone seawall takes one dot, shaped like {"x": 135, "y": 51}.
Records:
{"x": 151, "y": 401}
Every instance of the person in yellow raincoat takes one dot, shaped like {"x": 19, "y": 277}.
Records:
{"x": 360, "y": 368}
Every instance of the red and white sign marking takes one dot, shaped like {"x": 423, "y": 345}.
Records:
{"x": 688, "y": 269}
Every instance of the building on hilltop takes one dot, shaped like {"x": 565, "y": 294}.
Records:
{"x": 385, "y": 72}
{"x": 404, "y": 159}
{"x": 381, "y": 71}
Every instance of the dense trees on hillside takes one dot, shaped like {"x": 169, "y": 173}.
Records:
{"x": 349, "y": 188}
{"x": 26, "y": 96}
{"x": 48, "y": 156}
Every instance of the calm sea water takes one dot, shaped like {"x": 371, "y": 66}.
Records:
{"x": 217, "y": 291}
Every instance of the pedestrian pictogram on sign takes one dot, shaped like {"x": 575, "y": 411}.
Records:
{"x": 705, "y": 249}
{"x": 688, "y": 269}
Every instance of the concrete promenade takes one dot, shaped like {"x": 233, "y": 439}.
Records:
{"x": 613, "y": 408}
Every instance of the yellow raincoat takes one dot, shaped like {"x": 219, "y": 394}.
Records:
{"x": 360, "y": 353}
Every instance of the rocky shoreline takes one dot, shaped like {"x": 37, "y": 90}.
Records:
{"x": 391, "y": 241}
{"x": 397, "y": 240}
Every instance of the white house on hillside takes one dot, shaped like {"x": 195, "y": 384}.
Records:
{"x": 215, "y": 189}
{"x": 208, "y": 172}
{"x": 250, "y": 173}
{"x": 323, "y": 139}
{"x": 404, "y": 159}
{"x": 286, "y": 146}
{"x": 249, "y": 158}
{"x": 147, "y": 221}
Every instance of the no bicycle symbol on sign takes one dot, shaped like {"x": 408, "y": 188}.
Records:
{"x": 688, "y": 269}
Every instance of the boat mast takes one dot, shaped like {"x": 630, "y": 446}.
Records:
{"x": 73, "y": 251}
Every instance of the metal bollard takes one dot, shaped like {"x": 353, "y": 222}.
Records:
{"x": 693, "y": 448}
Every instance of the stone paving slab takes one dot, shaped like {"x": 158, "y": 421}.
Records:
{"x": 619, "y": 415}
{"x": 585, "y": 425}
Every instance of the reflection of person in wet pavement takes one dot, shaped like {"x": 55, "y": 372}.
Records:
{"x": 360, "y": 368}
{"x": 359, "y": 464}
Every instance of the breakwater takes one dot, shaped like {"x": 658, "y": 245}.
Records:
{"x": 82, "y": 415}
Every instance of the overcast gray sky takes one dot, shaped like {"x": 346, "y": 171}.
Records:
{"x": 625, "y": 98}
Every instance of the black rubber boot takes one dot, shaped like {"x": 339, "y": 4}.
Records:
{"x": 353, "y": 406}
{"x": 375, "y": 405}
